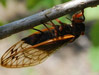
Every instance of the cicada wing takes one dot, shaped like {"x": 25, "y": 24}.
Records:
{"x": 24, "y": 55}
{"x": 13, "y": 53}
{"x": 29, "y": 57}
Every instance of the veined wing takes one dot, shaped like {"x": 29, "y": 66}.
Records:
{"x": 24, "y": 55}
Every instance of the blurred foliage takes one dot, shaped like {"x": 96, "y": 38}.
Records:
{"x": 94, "y": 56}
{"x": 95, "y": 34}
{"x": 34, "y": 4}
{"x": 1, "y": 23}
{"x": 94, "y": 50}
{"x": 3, "y": 2}
{"x": 91, "y": 14}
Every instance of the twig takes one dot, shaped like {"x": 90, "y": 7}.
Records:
{"x": 52, "y": 13}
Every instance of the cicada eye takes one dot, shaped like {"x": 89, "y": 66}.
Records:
{"x": 78, "y": 18}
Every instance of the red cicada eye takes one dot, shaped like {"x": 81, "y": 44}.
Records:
{"x": 79, "y": 17}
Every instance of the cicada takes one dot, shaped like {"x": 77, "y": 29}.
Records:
{"x": 34, "y": 49}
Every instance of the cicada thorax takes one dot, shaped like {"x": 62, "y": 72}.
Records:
{"x": 37, "y": 38}
{"x": 33, "y": 49}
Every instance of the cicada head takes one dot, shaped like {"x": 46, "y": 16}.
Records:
{"x": 78, "y": 17}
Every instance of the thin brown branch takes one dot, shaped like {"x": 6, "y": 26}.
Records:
{"x": 52, "y": 13}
